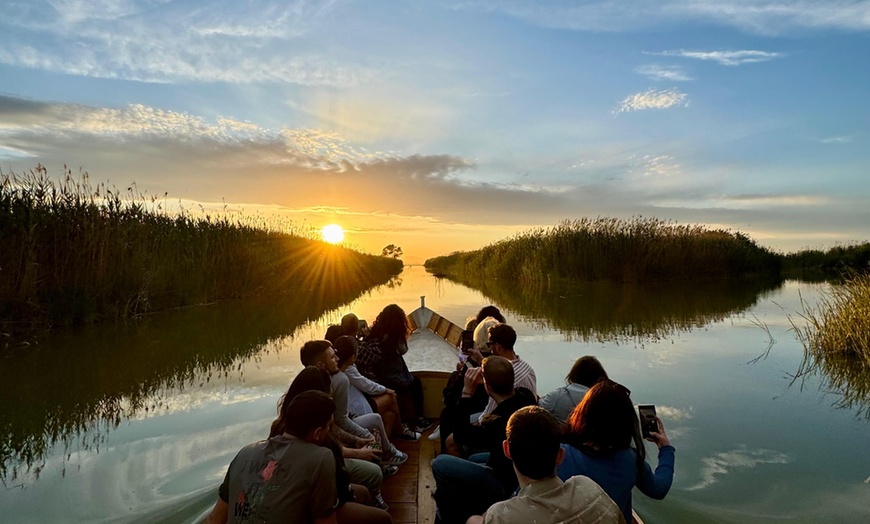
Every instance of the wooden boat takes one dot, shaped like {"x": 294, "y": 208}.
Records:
{"x": 409, "y": 493}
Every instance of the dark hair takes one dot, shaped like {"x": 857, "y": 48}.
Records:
{"x": 605, "y": 422}
{"x": 586, "y": 371}
{"x": 488, "y": 311}
{"x": 391, "y": 323}
{"x": 350, "y": 324}
{"x": 308, "y": 411}
{"x": 504, "y": 335}
{"x": 310, "y": 378}
{"x": 311, "y": 350}
{"x": 333, "y": 332}
{"x": 498, "y": 374}
{"x": 533, "y": 436}
{"x": 345, "y": 347}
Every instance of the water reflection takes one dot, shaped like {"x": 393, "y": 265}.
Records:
{"x": 847, "y": 378}
{"x": 615, "y": 312}
{"x": 76, "y": 386}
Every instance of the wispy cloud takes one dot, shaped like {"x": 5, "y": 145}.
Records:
{"x": 843, "y": 139}
{"x": 662, "y": 72}
{"x": 653, "y": 99}
{"x": 725, "y": 462}
{"x": 726, "y": 58}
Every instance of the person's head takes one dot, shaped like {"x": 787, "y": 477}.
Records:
{"x": 533, "y": 442}
{"x": 586, "y": 371}
{"x": 605, "y": 420}
{"x": 308, "y": 415}
{"x": 319, "y": 353}
{"x": 502, "y": 339}
{"x": 350, "y": 324}
{"x": 346, "y": 348}
{"x": 311, "y": 378}
{"x": 333, "y": 332}
{"x": 489, "y": 311}
{"x": 391, "y": 322}
{"x": 498, "y": 376}
{"x": 481, "y": 333}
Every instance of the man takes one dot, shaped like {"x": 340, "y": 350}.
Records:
{"x": 466, "y": 487}
{"x": 288, "y": 478}
{"x": 320, "y": 353}
{"x": 532, "y": 443}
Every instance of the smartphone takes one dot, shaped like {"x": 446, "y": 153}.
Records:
{"x": 362, "y": 324}
{"x": 648, "y": 422}
{"x": 466, "y": 341}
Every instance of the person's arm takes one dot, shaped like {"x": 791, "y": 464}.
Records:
{"x": 370, "y": 454}
{"x": 342, "y": 420}
{"x": 402, "y": 347}
{"x": 548, "y": 401}
{"x": 656, "y": 485}
{"x": 324, "y": 495}
{"x": 362, "y": 383}
{"x": 332, "y": 519}
{"x": 219, "y": 513}
{"x": 464, "y": 431}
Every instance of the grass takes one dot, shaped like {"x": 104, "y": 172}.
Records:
{"x": 71, "y": 254}
{"x": 833, "y": 263}
{"x": 635, "y": 250}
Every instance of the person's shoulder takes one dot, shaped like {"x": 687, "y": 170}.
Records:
{"x": 525, "y": 397}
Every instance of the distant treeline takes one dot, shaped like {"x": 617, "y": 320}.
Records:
{"x": 836, "y": 262}
{"x": 71, "y": 253}
{"x": 635, "y": 250}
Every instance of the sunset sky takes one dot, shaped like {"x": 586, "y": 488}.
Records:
{"x": 442, "y": 126}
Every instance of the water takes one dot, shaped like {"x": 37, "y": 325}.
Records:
{"x": 138, "y": 423}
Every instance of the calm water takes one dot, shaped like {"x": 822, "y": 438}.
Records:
{"x": 138, "y": 423}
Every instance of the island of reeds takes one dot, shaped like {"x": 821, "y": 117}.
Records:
{"x": 71, "y": 254}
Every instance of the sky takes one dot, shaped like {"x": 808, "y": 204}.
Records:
{"x": 446, "y": 125}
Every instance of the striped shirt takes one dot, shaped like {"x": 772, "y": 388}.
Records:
{"x": 524, "y": 377}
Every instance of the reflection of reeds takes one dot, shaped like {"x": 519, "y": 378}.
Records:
{"x": 636, "y": 250}
{"x": 71, "y": 253}
{"x": 836, "y": 339}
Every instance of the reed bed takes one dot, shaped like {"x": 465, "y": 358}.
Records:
{"x": 834, "y": 263}
{"x": 71, "y": 253}
{"x": 635, "y": 250}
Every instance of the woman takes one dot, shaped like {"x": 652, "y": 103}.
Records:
{"x": 486, "y": 311}
{"x": 391, "y": 331}
{"x": 585, "y": 372}
{"x": 352, "y": 498}
{"x": 599, "y": 439}
{"x": 367, "y": 396}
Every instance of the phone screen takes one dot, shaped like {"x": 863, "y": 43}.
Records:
{"x": 466, "y": 342}
{"x": 647, "y": 419}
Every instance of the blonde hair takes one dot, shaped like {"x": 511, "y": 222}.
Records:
{"x": 481, "y": 332}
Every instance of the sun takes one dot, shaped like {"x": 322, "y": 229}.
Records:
{"x": 333, "y": 233}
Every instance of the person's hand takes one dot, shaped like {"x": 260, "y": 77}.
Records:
{"x": 473, "y": 377}
{"x": 370, "y": 454}
{"x": 659, "y": 438}
{"x": 391, "y": 393}
{"x": 366, "y": 441}
{"x": 475, "y": 355}
{"x": 460, "y": 365}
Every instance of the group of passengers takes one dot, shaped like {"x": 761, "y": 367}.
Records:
{"x": 508, "y": 456}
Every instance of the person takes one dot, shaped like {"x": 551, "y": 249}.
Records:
{"x": 287, "y": 478}
{"x": 532, "y": 444}
{"x": 467, "y": 487}
{"x": 585, "y": 372}
{"x": 321, "y": 354}
{"x": 391, "y": 330}
{"x": 351, "y": 325}
{"x": 489, "y": 311}
{"x": 352, "y": 465}
{"x": 598, "y": 444}
{"x": 367, "y": 396}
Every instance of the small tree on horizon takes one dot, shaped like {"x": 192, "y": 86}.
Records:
{"x": 391, "y": 250}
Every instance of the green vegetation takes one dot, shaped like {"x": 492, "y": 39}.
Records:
{"x": 815, "y": 264}
{"x": 73, "y": 254}
{"x": 636, "y": 250}
{"x": 836, "y": 340}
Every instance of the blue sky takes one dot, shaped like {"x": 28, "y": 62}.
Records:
{"x": 446, "y": 125}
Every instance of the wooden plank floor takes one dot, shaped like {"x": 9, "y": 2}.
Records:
{"x": 409, "y": 492}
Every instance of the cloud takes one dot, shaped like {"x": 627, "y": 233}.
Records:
{"x": 674, "y": 414}
{"x": 726, "y": 58}
{"x": 843, "y": 139}
{"x": 741, "y": 458}
{"x": 165, "y": 42}
{"x": 755, "y": 16}
{"x": 652, "y": 99}
{"x": 660, "y": 72}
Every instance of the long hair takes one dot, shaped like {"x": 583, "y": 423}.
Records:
{"x": 310, "y": 378}
{"x": 489, "y": 311}
{"x": 391, "y": 323}
{"x": 604, "y": 422}
{"x": 586, "y": 371}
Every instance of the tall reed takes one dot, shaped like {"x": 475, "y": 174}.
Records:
{"x": 833, "y": 263}
{"x": 635, "y": 250}
{"x": 71, "y": 253}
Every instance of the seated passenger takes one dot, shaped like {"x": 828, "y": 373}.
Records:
{"x": 601, "y": 431}
{"x": 295, "y": 479}
{"x": 485, "y": 312}
{"x": 532, "y": 444}
{"x": 468, "y": 487}
{"x": 320, "y": 353}
{"x": 367, "y": 396}
{"x": 350, "y": 323}
{"x": 391, "y": 330}
{"x": 585, "y": 372}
